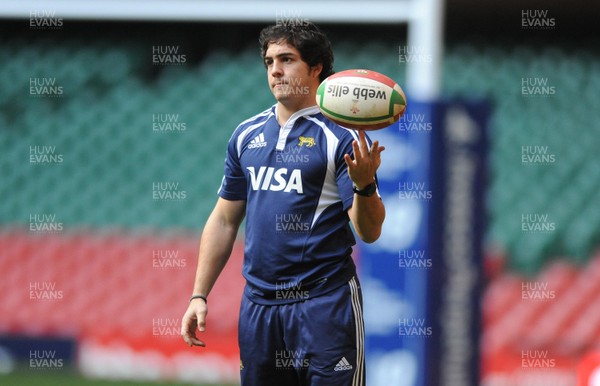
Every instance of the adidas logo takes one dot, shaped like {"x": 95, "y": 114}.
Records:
{"x": 343, "y": 365}
{"x": 258, "y": 141}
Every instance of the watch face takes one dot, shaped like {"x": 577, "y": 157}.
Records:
{"x": 371, "y": 189}
{"x": 367, "y": 190}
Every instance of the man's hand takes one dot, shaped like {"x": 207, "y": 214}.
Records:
{"x": 194, "y": 320}
{"x": 366, "y": 213}
{"x": 362, "y": 169}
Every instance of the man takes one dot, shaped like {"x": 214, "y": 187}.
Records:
{"x": 299, "y": 179}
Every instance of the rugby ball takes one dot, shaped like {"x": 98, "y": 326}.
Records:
{"x": 361, "y": 99}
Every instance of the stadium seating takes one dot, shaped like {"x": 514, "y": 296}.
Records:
{"x": 103, "y": 127}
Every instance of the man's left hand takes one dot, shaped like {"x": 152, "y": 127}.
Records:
{"x": 366, "y": 161}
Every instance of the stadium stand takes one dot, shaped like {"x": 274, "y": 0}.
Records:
{"x": 113, "y": 157}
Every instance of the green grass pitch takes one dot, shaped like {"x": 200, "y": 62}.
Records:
{"x": 60, "y": 378}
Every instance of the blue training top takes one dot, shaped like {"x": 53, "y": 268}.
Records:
{"x": 295, "y": 181}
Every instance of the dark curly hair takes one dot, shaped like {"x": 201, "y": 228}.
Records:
{"x": 307, "y": 38}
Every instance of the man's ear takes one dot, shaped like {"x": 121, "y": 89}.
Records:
{"x": 316, "y": 70}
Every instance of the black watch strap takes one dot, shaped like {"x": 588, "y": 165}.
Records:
{"x": 367, "y": 191}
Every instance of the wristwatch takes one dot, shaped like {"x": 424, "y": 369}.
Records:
{"x": 367, "y": 191}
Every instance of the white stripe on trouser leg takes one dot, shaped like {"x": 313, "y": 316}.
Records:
{"x": 359, "y": 375}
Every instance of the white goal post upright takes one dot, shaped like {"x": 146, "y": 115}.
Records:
{"x": 425, "y": 31}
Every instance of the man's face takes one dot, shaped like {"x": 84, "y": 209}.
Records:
{"x": 291, "y": 80}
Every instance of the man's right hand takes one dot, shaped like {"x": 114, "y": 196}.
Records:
{"x": 194, "y": 320}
